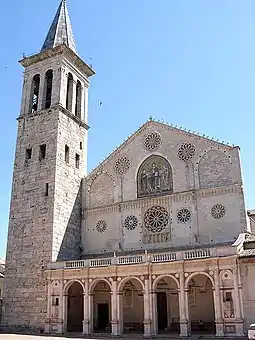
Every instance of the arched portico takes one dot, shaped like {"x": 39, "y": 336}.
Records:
{"x": 199, "y": 291}
{"x": 100, "y": 291}
{"x": 166, "y": 305}
{"x": 74, "y": 307}
{"x": 130, "y": 305}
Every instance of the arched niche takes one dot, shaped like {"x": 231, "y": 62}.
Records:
{"x": 214, "y": 170}
{"x": 101, "y": 191}
{"x": 154, "y": 177}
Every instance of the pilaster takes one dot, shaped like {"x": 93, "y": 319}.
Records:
{"x": 239, "y": 320}
{"x": 90, "y": 313}
{"x": 119, "y": 313}
{"x": 60, "y": 327}
{"x": 147, "y": 321}
{"x": 47, "y": 327}
{"x": 217, "y": 305}
{"x": 85, "y": 325}
{"x": 182, "y": 308}
{"x": 114, "y": 312}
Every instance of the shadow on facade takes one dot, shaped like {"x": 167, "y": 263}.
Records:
{"x": 71, "y": 243}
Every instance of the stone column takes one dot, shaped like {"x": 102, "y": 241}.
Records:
{"x": 119, "y": 313}
{"x": 85, "y": 326}
{"x": 114, "y": 317}
{"x": 74, "y": 97}
{"x": 85, "y": 103}
{"x": 154, "y": 312}
{"x": 217, "y": 305}
{"x": 47, "y": 327}
{"x": 146, "y": 301}
{"x": 151, "y": 305}
{"x": 55, "y": 86}
{"x": 238, "y": 315}
{"x": 187, "y": 313}
{"x": 90, "y": 313}
{"x": 60, "y": 329}
{"x": 82, "y": 99}
{"x": 182, "y": 308}
{"x": 63, "y": 87}
{"x": 26, "y": 85}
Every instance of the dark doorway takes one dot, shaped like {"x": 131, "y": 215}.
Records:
{"x": 162, "y": 311}
{"x": 103, "y": 315}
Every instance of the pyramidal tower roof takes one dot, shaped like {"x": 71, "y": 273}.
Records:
{"x": 60, "y": 31}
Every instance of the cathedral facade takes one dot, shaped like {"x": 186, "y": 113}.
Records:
{"x": 154, "y": 240}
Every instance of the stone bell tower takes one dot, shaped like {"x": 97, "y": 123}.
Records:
{"x": 50, "y": 162}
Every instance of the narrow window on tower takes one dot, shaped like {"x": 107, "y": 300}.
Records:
{"x": 28, "y": 154}
{"x": 69, "y": 92}
{"x": 81, "y": 145}
{"x": 67, "y": 154}
{"x": 35, "y": 93}
{"x": 48, "y": 89}
{"x": 77, "y": 161}
{"x": 78, "y": 100}
{"x": 47, "y": 189}
{"x": 42, "y": 152}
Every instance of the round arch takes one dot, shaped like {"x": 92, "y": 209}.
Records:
{"x": 74, "y": 306}
{"x": 96, "y": 281}
{"x": 154, "y": 177}
{"x": 126, "y": 279}
{"x": 195, "y": 274}
{"x": 156, "y": 281}
{"x": 70, "y": 283}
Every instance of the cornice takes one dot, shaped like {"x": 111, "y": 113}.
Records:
{"x": 49, "y": 111}
{"x": 56, "y": 51}
{"x": 187, "y": 196}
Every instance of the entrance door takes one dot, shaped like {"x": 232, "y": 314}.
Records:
{"x": 103, "y": 315}
{"x": 162, "y": 311}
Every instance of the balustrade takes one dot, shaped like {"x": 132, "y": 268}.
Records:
{"x": 136, "y": 259}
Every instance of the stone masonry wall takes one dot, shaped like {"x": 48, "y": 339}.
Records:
{"x": 45, "y": 210}
{"x": 67, "y": 202}
{"x": 31, "y": 222}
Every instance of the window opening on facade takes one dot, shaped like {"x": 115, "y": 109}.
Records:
{"x": 78, "y": 100}
{"x": 42, "y": 151}
{"x": 35, "y": 93}
{"x": 48, "y": 88}
{"x": 67, "y": 154}
{"x": 69, "y": 92}
{"x": 47, "y": 189}
{"x": 77, "y": 161}
{"x": 28, "y": 154}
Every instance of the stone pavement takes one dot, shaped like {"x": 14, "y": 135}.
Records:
{"x": 107, "y": 337}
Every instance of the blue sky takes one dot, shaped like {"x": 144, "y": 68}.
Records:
{"x": 190, "y": 63}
